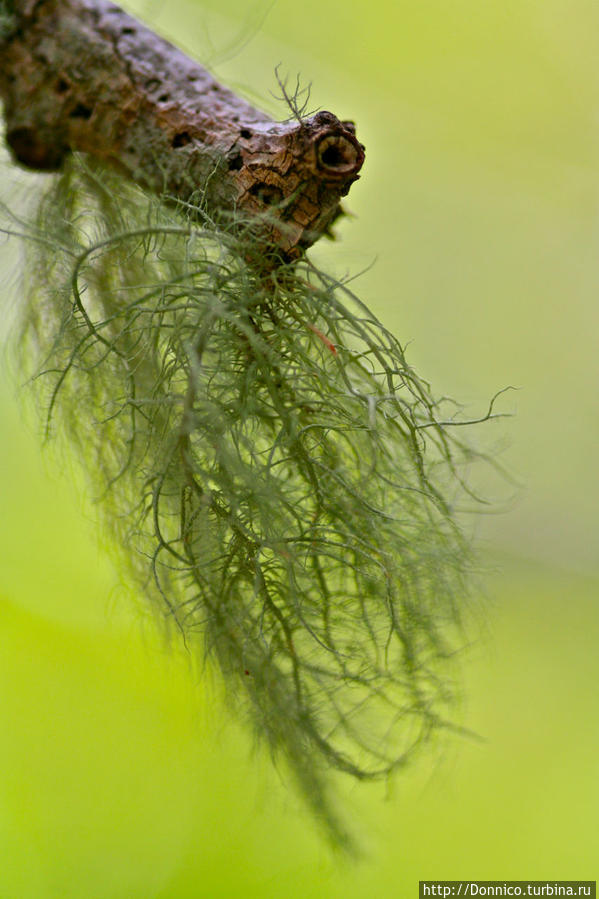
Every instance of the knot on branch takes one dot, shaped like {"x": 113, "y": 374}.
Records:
{"x": 294, "y": 175}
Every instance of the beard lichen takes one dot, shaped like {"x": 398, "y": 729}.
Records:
{"x": 276, "y": 473}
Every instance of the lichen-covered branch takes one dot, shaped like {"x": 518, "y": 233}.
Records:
{"x": 83, "y": 75}
{"x": 282, "y": 483}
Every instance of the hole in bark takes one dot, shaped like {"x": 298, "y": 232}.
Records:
{"x": 181, "y": 139}
{"x": 127, "y": 30}
{"x": 32, "y": 150}
{"x": 235, "y": 162}
{"x": 81, "y": 111}
{"x": 332, "y": 157}
{"x": 268, "y": 194}
{"x": 337, "y": 153}
{"x": 153, "y": 83}
{"x": 61, "y": 86}
{"x": 246, "y": 133}
{"x": 164, "y": 98}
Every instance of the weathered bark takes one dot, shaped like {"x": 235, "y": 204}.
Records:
{"x": 82, "y": 75}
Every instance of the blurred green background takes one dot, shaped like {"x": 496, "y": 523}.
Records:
{"x": 121, "y": 773}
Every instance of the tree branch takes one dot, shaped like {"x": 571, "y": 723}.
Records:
{"x": 83, "y": 75}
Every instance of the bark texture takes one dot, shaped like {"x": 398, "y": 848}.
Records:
{"x": 83, "y": 75}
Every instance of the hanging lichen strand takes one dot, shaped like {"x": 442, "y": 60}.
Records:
{"x": 273, "y": 468}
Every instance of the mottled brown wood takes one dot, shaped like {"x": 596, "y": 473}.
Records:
{"x": 83, "y": 75}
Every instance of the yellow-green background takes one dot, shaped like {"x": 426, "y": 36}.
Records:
{"x": 120, "y": 773}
